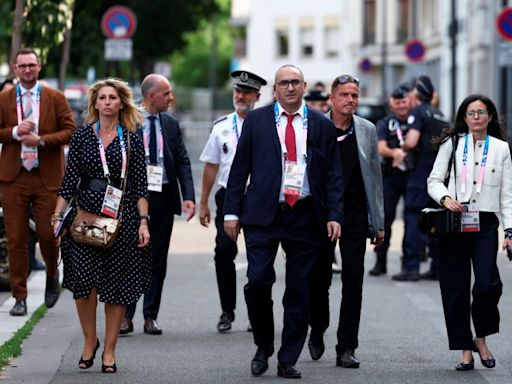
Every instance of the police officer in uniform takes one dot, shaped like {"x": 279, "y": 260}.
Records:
{"x": 218, "y": 155}
{"x": 425, "y": 123}
{"x": 391, "y": 133}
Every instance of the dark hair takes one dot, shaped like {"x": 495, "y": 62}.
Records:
{"x": 494, "y": 128}
{"x": 5, "y": 82}
{"x": 26, "y": 51}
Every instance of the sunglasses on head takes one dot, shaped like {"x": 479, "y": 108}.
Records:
{"x": 344, "y": 79}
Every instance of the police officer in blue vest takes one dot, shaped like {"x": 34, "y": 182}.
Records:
{"x": 425, "y": 122}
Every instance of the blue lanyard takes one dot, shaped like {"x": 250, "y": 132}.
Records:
{"x": 235, "y": 128}
{"x": 483, "y": 164}
{"x": 106, "y": 171}
{"x": 19, "y": 105}
{"x": 277, "y": 117}
{"x": 350, "y": 132}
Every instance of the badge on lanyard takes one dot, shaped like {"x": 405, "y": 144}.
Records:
{"x": 293, "y": 178}
{"x": 470, "y": 218}
{"x": 111, "y": 201}
{"x": 155, "y": 178}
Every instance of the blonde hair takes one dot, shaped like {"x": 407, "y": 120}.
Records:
{"x": 129, "y": 116}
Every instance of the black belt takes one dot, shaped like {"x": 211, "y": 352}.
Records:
{"x": 98, "y": 185}
{"x": 299, "y": 204}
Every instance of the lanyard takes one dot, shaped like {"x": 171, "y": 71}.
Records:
{"x": 394, "y": 125}
{"x": 103, "y": 157}
{"x": 350, "y": 132}
{"x": 19, "y": 107}
{"x": 145, "y": 135}
{"x": 235, "y": 134}
{"x": 281, "y": 132}
{"x": 483, "y": 163}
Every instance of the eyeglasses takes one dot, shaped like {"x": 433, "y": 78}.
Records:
{"x": 286, "y": 83}
{"x": 344, "y": 79}
{"x": 478, "y": 112}
{"x": 25, "y": 66}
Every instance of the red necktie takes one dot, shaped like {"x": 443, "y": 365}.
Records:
{"x": 291, "y": 154}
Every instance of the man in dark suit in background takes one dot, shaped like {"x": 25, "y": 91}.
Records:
{"x": 35, "y": 122}
{"x": 294, "y": 198}
{"x": 168, "y": 171}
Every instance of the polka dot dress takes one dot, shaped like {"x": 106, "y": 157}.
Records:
{"x": 121, "y": 274}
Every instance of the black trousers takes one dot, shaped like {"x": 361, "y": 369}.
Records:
{"x": 225, "y": 254}
{"x": 457, "y": 254}
{"x": 161, "y": 212}
{"x": 298, "y": 232}
{"x": 352, "y": 247}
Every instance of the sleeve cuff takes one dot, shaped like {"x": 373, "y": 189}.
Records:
{"x": 230, "y": 217}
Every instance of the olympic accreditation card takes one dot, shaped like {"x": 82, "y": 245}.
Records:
{"x": 155, "y": 177}
{"x": 111, "y": 201}
{"x": 293, "y": 178}
{"x": 470, "y": 218}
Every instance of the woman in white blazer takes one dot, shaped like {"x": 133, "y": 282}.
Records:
{"x": 481, "y": 186}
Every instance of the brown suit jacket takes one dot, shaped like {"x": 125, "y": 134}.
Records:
{"x": 56, "y": 126}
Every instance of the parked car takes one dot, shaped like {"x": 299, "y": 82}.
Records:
{"x": 372, "y": 109}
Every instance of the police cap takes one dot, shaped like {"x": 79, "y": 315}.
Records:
{"x": 247, "y": 80}
{"x": 316, "y": 95}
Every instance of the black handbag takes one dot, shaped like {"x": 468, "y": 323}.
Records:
{"x": 440, "y": 222}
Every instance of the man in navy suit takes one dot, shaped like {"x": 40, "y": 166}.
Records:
{"x": 295, "y": 199}
{"x": 168, "y": 171}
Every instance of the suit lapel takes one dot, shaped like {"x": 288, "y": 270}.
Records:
{"x": 44, "y": 105}
{"x": 273, "y": 128}
{"x": 361, "y": 144}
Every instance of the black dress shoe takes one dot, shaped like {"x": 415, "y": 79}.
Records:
{"x": 288, "y": 371}
{"x": 259, "y": 363}
{"x": 347, "y": 359}
{"x": 126, "y": 327}
{"x": 462, "y": 366}
{"x": 430, "y": 275}
{"x": 52, "y": 291}
{"x": 316, "y": 347}
{"x": 378, "y": 270}
{"x": 406, "y": 276}
{"x": 151, "y": 327}
{"x": 19, "y": 308}
{"x": 225, "y": 321}
{"x": 487, "y": 363}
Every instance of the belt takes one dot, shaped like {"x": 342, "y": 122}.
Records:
{"x": 299, "y": 204}
{"x": 94, "y": 184}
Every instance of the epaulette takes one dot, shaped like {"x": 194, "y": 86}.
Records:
{"x": 220, "y": 119}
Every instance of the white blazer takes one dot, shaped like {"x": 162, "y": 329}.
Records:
{"x": 496, "y": 193}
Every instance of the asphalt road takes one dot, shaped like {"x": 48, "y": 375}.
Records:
{"x": 402, "y": 335}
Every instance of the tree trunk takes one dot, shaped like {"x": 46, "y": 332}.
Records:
{"x": 16, "y": 33}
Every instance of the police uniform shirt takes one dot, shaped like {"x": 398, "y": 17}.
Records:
{"x": 146, "y": 131}
{"x": 387, "y": 131}
{"x": 430, "y": 122}
{"x": 221, "y": 146}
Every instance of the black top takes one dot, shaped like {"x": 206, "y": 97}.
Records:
{"x": 355, "y": 208}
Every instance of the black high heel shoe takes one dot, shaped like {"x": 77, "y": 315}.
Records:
{"x": 462, "y": 366}
{"x": 89, "y": 362}
{"x": 487, "y": 363}
{"x": 108, "y": 368}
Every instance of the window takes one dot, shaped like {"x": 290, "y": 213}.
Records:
{"x": 282, "y": 42}
{"x": 331, "y": 40}
{"x": 369, "y": 22}
{"x": 306, "y": 42}
{"x": 402, "y": 32}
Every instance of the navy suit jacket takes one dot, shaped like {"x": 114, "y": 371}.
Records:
{"x": 176, "y": 161}
{"x": 259, "y": 156}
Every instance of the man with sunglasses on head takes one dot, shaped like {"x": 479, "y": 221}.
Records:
{"x": 218, "y": 155}
{"x": 35, "y": 122}
{"x": 363, "y": 217}
{"x": 425, "y": 122}
{"x": 294, "y": 199}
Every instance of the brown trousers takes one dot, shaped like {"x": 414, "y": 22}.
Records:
{"x": 16, "y": 199}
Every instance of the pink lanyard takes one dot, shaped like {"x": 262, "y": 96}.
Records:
{"x": 281, "y": 131}
{"x": 19, "y": 108}
{"x": 106, "y": 171}
{"x": 483, "y": 163}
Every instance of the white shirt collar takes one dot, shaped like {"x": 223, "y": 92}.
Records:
{"x": 300, "y": 111}
{"x": 33, "y": 89}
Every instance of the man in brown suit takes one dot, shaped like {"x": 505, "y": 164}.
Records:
{"x": 35, "y": 122}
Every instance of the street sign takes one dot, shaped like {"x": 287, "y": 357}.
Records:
{"x": 504, "y": 23}
{"x": 415, "y": 50}
{"x": 365, "y": 65}
{"x": 118, "y": 22}
{"x": 118, "y": 49}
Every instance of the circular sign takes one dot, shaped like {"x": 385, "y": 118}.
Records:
{"x": 365, "y": 65}
{"x": 504, "y": 23}
{"x": 118, "y": 22}
{"x": 415, "y": 50}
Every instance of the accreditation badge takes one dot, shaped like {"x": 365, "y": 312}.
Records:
{"x": 470, "y": 218}
{"x": 155, "y": 178}
{"x": 293, "y": 178}
{"x": 111, "y": 201}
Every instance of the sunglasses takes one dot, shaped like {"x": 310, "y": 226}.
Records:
{"x": 344, "y": 79}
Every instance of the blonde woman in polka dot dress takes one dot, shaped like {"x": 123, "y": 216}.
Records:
{"x": 119, "y": 275}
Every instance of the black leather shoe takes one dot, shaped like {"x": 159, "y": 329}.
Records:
{"x": 19, "y": 308}
{"x": 52, "y": 291}
{"x": 126, "y": 327}
{"x": 377, "y": 270}
{"x": 347, "y": 359}
{"x": 487, "y": 363}
{"x": 259, "y": 363}
{"x": 288, "y": 371}
{"x": 430, "y": 275}
{"x": 316, "y": 347}
{"x": 225, "y": 321}
{"x": 406, "y": 276}
{"x": 151, "y": 327}
{"x": 462, "y": 366}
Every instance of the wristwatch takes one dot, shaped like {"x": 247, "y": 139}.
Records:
{"x": 42, "y": 143}
{"x": 145, "y": 217}
{"x": 443, "y": 199}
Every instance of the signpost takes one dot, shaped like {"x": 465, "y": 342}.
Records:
{"x": 118, "y": 24}
{"x": 415, "y": 50}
